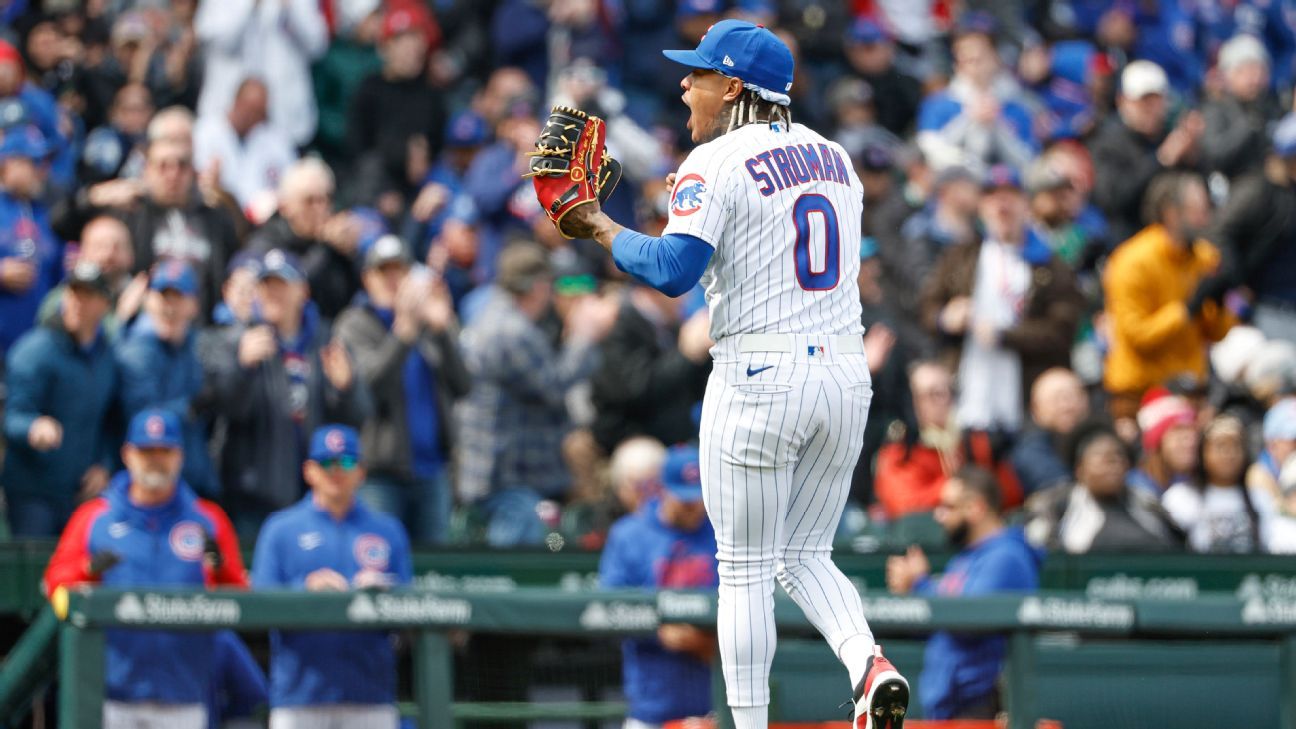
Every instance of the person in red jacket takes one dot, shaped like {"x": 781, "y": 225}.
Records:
{"x": 149, "y": 530}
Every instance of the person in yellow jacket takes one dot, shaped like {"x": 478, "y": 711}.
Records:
{"x": 1161, "y": 319}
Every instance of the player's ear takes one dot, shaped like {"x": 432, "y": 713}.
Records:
{"x": 733, "y": 89}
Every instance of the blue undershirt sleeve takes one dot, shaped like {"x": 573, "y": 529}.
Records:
{"x": 672, "y": 264}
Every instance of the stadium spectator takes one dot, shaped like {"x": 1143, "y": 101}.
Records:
{"x": 62, "y": 381}
{"x": 395, "y": 124}
{"x": 886, "y": 205}
{"x": 238, "y": 292}
{"x": 513, "y": 421}
{"x": 31, "y": 255}
{"x": 912, "y": 468}
{"x": 960, "y": 672}
{"x": 171, "y": 538}
{"x": 351, "y": 57}
{"x": 979, "y": 121}
{"x": 160, "y": 368}
{"x": 668, "y": 543}
{"x": 1282, "y": 531}
{"x": 25, "y": 103}
{"x": 130, "y": 45}
{"x": 507, "y": 207}
{"x": 1161, "y": 317}
{"x": 947, "y": 221}
{"x": 1256, "y": 234}
{"x": 324, "y": 241}
{"x": 1133, "y": 147}
{"x": 1216, "y": 509}
{"x": 1053, "y": 220}
{"x": 105, "y": 242}
{"x": 871, "y": 54}
{"x": 116, "y": 149}
{"x": 330, "y": 541}
{"x": 651, "y": 372}
{"x": 250, "y": 156}
{"x": 1234, "y": 140}
{"x": 634, "y": 471}
{"x": 1005, "y": 309}
{"x": 276, "y": 40}
{"x": 275, "y": 380}
{"x": 1168, "y": 425}
{"x": 1279, "y": 433}
{"x": 166, "y": 215}
{"x": 403, "y": 332}
{"x": 1099, "y": 512}
{"x": 1058, "y": 404}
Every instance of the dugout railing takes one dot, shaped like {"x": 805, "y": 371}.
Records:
{"x": 1087, "y": 662}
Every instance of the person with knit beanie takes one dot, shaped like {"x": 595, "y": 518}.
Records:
{"x": 1168, "y": 425}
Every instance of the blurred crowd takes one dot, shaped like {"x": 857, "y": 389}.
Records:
{"x": 1078, "y": 269}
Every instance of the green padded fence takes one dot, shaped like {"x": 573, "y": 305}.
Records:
{"x": 1115, "y": 667}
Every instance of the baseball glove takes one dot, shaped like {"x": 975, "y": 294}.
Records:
{"x": 570, "y": 166}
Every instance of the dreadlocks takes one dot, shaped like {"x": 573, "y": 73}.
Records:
{"x": 750, "y": 108}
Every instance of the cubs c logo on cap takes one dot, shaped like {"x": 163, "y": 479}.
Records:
{"x": 687, "y": 197}
{"x": 372, "y": 552}
{"x": 187, "y": 541}
{"x": 335, "y": 441}
{"x": 691, "y": 473}
{"x": 155, "y": 427}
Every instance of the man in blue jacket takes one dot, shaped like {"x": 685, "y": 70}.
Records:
{"x": 62, "y": 381}
{"x": 960, "y": 671}
{"x": 667, "y": 544}
{"x": 149, "y": 530}
{"x": 160, "y": 366}
{"x": 31, "y": 256}
{"x": 330, "y": 541}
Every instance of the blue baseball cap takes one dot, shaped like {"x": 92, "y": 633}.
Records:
{"x": 865, "y": 31}
{"x": 466, "y": 129}
{"x": 748, "y": 52}
{"x": 1001, "y": 176}
{"x": 278, "y": 263}
{"x": 25, "y": 141}
{"x": 682, "y": 473}
{"x": 176, "y": 275}
{"x": 1284, "y": 137}
{"x": 334, "y": 441}
{"x": 154, "y": 428}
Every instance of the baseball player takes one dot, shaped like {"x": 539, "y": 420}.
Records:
{"x": 330, "y": 541}
{"x": 766, "y": 214}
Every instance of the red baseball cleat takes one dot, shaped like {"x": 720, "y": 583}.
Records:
{"x": 882, "y": 698}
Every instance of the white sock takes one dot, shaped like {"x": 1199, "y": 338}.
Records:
{"x": 855, "y": 653}
{"x": 750, "y": 717}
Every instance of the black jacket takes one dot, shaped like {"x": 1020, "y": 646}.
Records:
{"x": 1124, "y": 164}
{"x": 383, "y": 117}
{"x": 1256, "y": 236}
{"x": 333, "y": 277}
{"x": 644, "y": 386}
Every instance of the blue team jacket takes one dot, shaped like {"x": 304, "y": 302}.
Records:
{"x": 960, "y": 670}
{"x": 159, "y": 547}
{"x": 25, "y": 233}
{"x": 345, "y": 667}
{"x": 642, "y": 551}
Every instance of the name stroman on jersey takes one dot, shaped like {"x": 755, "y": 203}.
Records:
{"x": 781, "y": 207}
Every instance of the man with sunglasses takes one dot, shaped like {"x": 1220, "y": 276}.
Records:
{"x": 329, "y": 541}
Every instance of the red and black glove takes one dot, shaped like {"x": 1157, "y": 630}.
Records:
{"x": 570, "y": 166}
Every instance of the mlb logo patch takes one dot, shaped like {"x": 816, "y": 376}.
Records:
{"x": 372, "y": 552}
{"x": 687, "y": 197}
{"x": 187, "y": 541}
{"x": 815, "y": 350}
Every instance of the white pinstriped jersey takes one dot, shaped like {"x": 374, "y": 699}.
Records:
{"x": 781, "y": 207}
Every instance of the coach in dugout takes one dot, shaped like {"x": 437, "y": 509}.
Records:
{"x": 667, "y": 544}
{"x": 329, "y": 541}
{"x": 149, "y": 529}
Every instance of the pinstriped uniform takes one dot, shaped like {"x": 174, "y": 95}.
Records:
{"x": 782, "y": 426}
